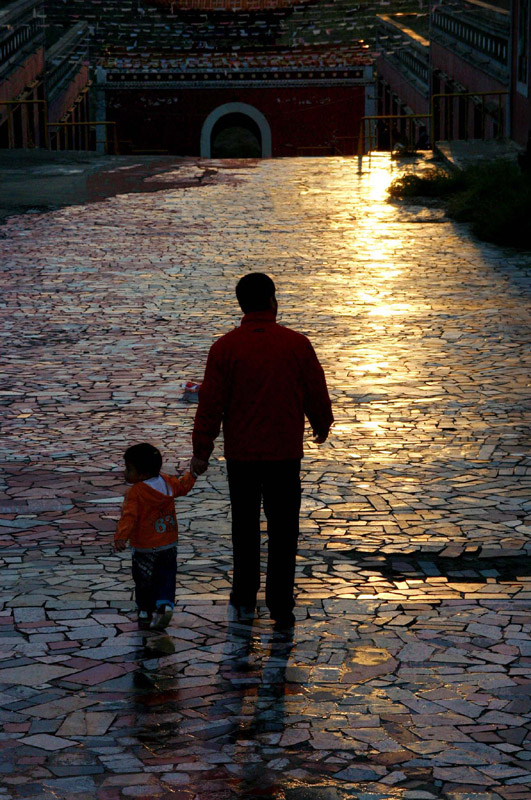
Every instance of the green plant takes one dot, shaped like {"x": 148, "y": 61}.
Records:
{"x": 435, "y": 183}
{"x": 495, "y": 198}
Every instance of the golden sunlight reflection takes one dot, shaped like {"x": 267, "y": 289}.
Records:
{"x": 381, "y": 172}
{"x": 376, "y": 366}
{"x": 389, "y": 309}
{"x": 373, "y": 242}
{"x": 374, "y": 426}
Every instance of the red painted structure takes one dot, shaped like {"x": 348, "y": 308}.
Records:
{"x": 303, "y": 120}
{"x": 469, "y": 54}
{"x": 403, "y": 74}
{"x": 476, "y": 53}
{"x": 291, "y": 103}
{"x": 39, "y": 85}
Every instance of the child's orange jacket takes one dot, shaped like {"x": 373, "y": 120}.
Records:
{"x": 148, "y": 517}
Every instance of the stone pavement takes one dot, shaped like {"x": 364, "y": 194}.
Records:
{"x": 409, "y": 672}
{"x": 477, "y": 151}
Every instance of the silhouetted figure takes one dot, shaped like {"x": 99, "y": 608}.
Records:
{"x": 261, "y": 381}
{"x": 383, "y": 135}
{"x": 423, "y": 142}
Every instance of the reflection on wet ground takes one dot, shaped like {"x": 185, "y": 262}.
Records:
{"x": 408, "y": 675}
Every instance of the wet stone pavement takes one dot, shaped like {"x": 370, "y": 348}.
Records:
{"x": 409, "y": 672}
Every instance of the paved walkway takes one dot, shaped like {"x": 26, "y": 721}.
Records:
{"x": 409, "y": 672}
{"x": 473, "y": 152}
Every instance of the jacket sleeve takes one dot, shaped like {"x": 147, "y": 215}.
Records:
{"x": 129, "y": 517}
{"x": 181, "y": 485}
{"x": 211, "y": 404}
{"x": 317, "y": 404}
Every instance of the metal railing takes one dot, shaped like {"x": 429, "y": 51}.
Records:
{"x": 62, "y": 124}
{"x": 363, "y": 137}
{"x": 87, "y": 125}
{"x": 378, "y": 117}
{"x": 10, "y": 127}
{"x": 498, "y": 94}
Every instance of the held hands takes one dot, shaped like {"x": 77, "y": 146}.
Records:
{"x": 198, "y": 466}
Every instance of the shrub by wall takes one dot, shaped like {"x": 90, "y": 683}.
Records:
{"x": 495, "y": 198}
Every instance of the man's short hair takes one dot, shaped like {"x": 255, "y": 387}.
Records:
{"x": 145, "y": 458}
{"x": 254, "y": 291}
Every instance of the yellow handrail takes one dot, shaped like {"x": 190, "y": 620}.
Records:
{"x": 361, "y": 137}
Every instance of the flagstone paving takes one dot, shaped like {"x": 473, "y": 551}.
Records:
{"x": 409, "y": 672}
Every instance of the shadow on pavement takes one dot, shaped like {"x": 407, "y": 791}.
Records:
{"x": 470, "y": 566}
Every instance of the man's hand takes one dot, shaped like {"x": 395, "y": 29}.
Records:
{"x": 119, "y": 545}
{"x": 319, "y": 439}
{"x": 198, "y": 466}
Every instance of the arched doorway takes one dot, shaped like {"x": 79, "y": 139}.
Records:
{"x": 236, "y": 130}
{"x": 236, "y": 136}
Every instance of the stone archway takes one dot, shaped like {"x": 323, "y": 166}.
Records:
{"x": 256, "y": 118}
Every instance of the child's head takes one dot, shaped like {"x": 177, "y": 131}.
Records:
{"x": 142, "y": 461}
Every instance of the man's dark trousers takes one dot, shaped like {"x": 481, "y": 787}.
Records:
{"x": 278, "y": 483}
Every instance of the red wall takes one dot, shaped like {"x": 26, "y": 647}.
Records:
{"x": 17, "y": 81}
{"x": 462, "y": 72}
{"x": 305, "y": 117}
{"x": 64, "y": 101}
{"x": 407, "y": 93}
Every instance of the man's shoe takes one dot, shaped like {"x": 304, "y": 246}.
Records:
{"x": 244, "y": 613}
{"x": 161, "y": 618}
{"x": 285, "y": 623}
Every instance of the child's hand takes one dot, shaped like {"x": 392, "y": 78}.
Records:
{"x": 119, "y": 545}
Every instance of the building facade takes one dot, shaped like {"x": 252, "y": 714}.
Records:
{"x": 403, "y": 77}
{"x": 167, "y": 71}
{"x": 470, "y": 46}
{"x": 22, "y": 123}
{"x": 475, "y": 64}
{"x": 44, "y": 79}
{"x": 253, "y": 104}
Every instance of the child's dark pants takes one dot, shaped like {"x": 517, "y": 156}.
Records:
{"x": 154, "y": 574}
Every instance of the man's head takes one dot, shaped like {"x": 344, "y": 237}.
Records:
{"x": 256, "y": 292}
{"x": 142, "y": 461}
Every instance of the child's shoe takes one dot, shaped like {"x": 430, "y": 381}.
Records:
{"x": 144, "y": 619}
{"x": 161, "y": 618}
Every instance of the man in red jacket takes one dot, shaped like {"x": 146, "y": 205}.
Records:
{"x": 261, "y": 380}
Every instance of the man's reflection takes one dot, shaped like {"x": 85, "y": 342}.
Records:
{"x": 240, "y": 715}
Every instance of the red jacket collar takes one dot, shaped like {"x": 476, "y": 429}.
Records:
{"x": 259, "y": 316}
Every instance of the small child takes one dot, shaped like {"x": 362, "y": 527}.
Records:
{"x": 148, "y": 521}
